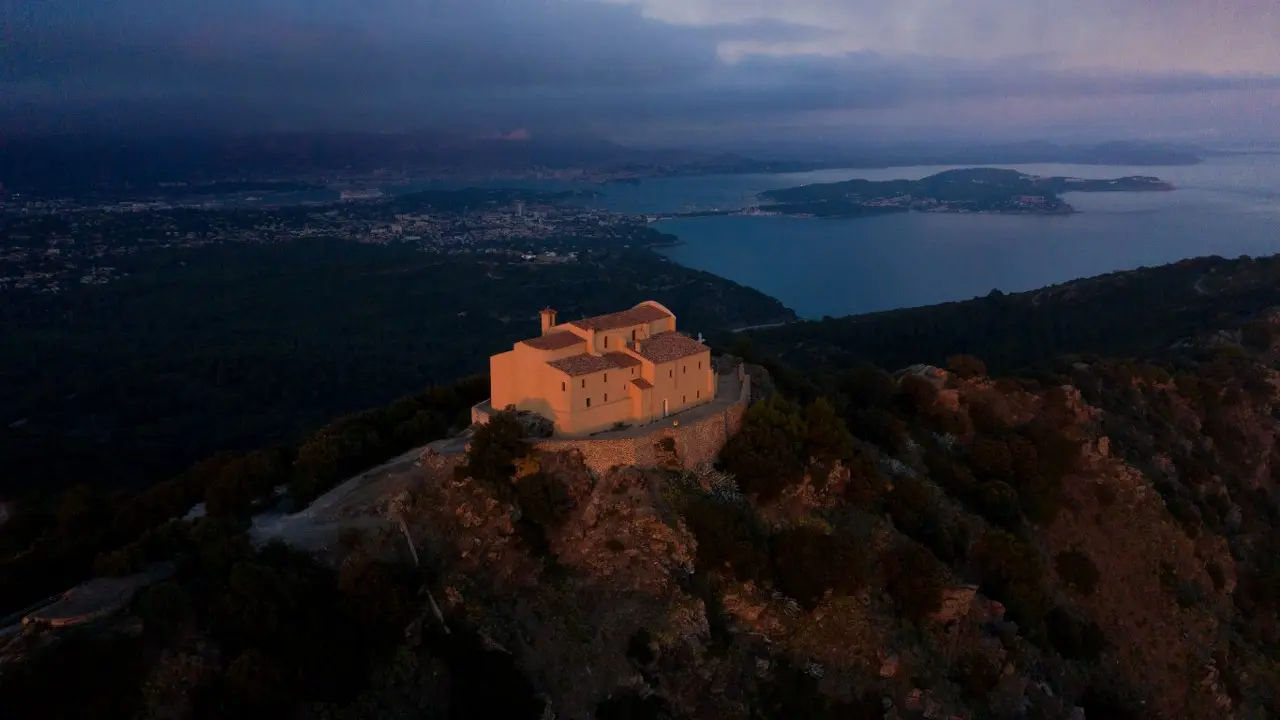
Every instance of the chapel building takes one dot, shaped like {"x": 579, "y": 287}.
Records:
{"x": 597, "y": 373}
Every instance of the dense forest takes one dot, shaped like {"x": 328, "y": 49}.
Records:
{"x": 1123, "y": 314}
{"x": 1092, "y": 534}
{"x": 236, "y": 346}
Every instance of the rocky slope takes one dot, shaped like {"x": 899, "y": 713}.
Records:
{"x": 1090, "y": 538}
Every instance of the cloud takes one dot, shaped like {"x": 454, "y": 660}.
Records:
{"x": 1212, "y": 36}
{"x": 489, "y": 65}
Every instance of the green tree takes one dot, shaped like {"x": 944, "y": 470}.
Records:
{"x": 495, "y": 448}
{"x": 767, "y": 454}
{"x": 827, "y": 437}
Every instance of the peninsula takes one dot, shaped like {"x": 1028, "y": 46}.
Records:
{"x": 989, "y": 190}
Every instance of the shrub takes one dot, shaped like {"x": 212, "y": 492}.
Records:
{"x": 1058, "y": 454}
{"x": 163, "y": 607}
{"x": 998, "y": 502}
{"x": 1216, "y": 574}
{"x": 1077, "y": 570}
{"x": 976, "y": 674}
{"x": 1041, "y": 500}
{"x": 945, "y": 420}
{"x": 235, "y": 481}
{"x": 867, "y": 386}
{"x": 544, "y": 499}
{"x": 880, "y": 428}
{"x": 952, "y": 475}
{"x": 1010, "y": 571}
{"x": 866, "y": 484}
{"x": 630, "y": 706}
{"x": 991, "y": 459}
{"x": 1073, "y": 638}
{"x": 807, "y": 562}
{"x": 966, "y": 366}
{"x": 827, "y": 437}
{"x": 916, "y": 394}
{"x": 914, "y": 579}
{"x": 917, "y": 513}
{"x": 494, "y": 450}
{"x": 984, "y": 416}
{"x": 728, "y": 534}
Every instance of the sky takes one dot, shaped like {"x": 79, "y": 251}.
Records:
{"x": 648, "y": 70}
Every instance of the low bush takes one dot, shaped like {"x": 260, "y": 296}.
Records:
{"x": 913, "y": 578}
{"x": 1077, "y": 570}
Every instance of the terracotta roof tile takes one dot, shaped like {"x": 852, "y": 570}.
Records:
{"x": 554, "y": 341}
{"x": 668, "y": 346}
{"x": 621, "y": 359}
{"x": 585, "y": 364}
{"x": 635, "y": 316}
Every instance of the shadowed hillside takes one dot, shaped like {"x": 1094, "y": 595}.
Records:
{"x": 1093, "y": 540}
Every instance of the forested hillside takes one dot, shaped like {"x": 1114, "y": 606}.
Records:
{"x": 236, "y": 346}
{"x": 1091, "y": 536}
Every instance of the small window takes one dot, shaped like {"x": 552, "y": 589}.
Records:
{"x": 606, "y": 397}
{"x": 584, "y": 382}
{"x": 606, "y": 377}
{"x": 671, "y": 373}
{"x": 562, "y": 387}
{"x": 633, "y": 371}
{"x": 699, "y": 364}
{"x": 633, "y": 336}
{"x": 684, "y": 399}
{"x": 685, "y": 369}
{"x": 697, "y": 395}
{"x": 588, "y": 402}
{"x": 606, "y": 341}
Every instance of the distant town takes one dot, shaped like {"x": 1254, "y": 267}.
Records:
{"x": 48, "y": 246}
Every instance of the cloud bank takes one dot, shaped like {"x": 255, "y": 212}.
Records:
{"x": 657, "y": 68}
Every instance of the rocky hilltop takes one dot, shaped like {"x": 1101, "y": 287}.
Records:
{"x": 1083, "y": 528}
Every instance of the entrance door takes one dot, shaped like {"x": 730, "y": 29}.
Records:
{"x": 664, "y": 407}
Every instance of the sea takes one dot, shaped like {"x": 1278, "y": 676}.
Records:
{"x": 1225, "y": 206}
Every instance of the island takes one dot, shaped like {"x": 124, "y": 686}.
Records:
{"x": 970, "y": 190}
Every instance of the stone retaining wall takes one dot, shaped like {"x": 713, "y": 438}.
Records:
{"x": 695, "y": 442}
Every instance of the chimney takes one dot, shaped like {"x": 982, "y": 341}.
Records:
{"x": 548, "y": 320}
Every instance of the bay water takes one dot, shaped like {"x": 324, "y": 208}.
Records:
{"x": 1227, "y": 206}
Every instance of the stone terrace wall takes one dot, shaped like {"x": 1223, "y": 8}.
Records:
{"x": 695, "y": 442}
